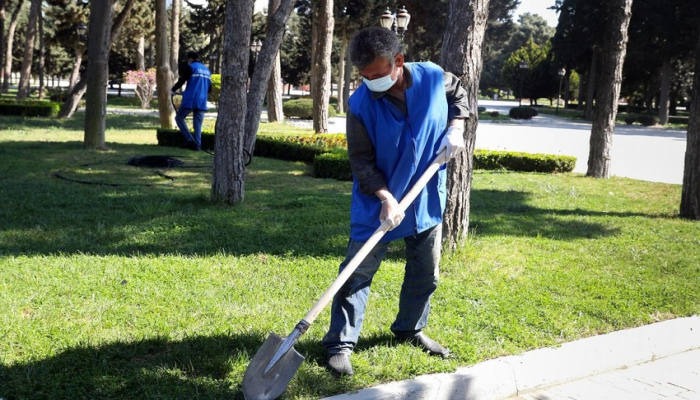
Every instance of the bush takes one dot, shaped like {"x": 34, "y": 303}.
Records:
{"x": 648, "y": 120}
{"x": 29, "y": 108}
{"x": 302, "y": 108}
{"x": 481, "y": 109}
{"x": 630, "y": 120}
{"x": 522, "y": 112}
{"x": 523, "y": 162}
{"x": 215, "y": 93}
{"x": 173, "y": 138}
{"x": 335, "y": 165}
{"x": 494, "y": 114}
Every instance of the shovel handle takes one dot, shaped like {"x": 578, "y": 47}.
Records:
{"x": 373, "y": 240}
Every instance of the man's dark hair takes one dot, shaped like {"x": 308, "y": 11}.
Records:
{"x": 370, "y": 43}
{"x": 194, "y": 56}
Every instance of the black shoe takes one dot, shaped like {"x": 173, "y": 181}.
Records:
{"x": 339, "y": 365}
{"x": 432, "y": 347}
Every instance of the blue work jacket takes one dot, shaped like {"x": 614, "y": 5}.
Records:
{"x": 405, "y": 145}
{"x": 195, "y": 94}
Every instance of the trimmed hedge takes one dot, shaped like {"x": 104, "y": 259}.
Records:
{"x": 302, "y": 108}
{"x": 330, "y": 157}
{"x": 522, "y": 113}
{"x": 523, "y": 162}
{"x": 336, "y": 165}
{"x": 173, "y": 138}
{"x": 29, "y": 108}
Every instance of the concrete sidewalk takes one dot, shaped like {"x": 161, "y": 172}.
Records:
{"x": 656, "y": 361}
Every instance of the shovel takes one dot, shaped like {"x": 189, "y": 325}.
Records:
{"x": 273, "y": 366}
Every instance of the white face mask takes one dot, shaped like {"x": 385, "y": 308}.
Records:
{"x": 381, "y": 84}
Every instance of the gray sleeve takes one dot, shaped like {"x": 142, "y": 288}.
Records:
{"x": 457, "y": 101}
{"x": 363, "y": 159}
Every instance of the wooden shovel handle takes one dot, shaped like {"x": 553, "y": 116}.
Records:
{"x": 373, "y": 240}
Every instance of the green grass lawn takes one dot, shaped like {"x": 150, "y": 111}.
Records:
{"x": 154, "y": 292}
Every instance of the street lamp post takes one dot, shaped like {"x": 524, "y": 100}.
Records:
{"x": 81, "y": 30}
{"x": 561, "y": 73}
{"x": 255, "y": 47}
{"x": 523, "y": 66}
{"x": 397, "y": 22}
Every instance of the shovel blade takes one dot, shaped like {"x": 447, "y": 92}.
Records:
{"x": 258, "y": 385}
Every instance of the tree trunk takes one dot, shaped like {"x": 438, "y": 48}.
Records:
{"x": 71, "y": 104}
{"x": 321, "y": 71}
{"x": 348, "y": 80}
{"x": 664, "y": 96}
{"x": 341, "y": 75}
{"x": 461, "y": 55}
{"x": 174, "y": 38}
{"x": 26, "y": 71}
{"x": 690, "y": 196}
{"x": 163, "y": 77}
{"x": 3, "y": 16}
{"x": 141, "y": 54}
{"x": 261, "y": 74}
{"x": 42, "y": 58}
{"x": 591, "y": 85}
{"x": 7, "y": 75}
{"x": 274, "y": 91}
{"x": 97, "y": 73}
{"x": 228, "y": 184}
{"x": 609, "y": 83}
{"x": 75, "y": 73}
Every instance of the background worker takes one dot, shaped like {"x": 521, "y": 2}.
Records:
{"x": 194, "y": 98}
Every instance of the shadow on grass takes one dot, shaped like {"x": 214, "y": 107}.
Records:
{"x": 285, "y": 210}
{"x": 77, "y": 122}
{"x": 195, "y": 367}
{"x": 203, "y": 367}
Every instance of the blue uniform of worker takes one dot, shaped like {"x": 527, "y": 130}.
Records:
{"x": 405, "y": 146}
{"x": 194, "y": 99}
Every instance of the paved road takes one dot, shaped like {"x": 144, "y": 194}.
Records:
{"x": 651, "y": 154}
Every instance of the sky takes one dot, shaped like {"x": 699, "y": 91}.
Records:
{"x": 538, "y": 7}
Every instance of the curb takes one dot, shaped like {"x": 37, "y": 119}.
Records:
{"x": 509, "y": 376}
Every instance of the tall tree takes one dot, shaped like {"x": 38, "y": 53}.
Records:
{"x": 77, "y": 92}
{"x": 97, "y": 73}
{"x": 42, "y": 57}
{"x": 174, "y": 37}
{"x": 613, "y": 56}
{"x": 322, "y": 36}
{"x": 25, "y": 73}
{"x": 461, "y": 55}
{"x": 235, "y": 134}
{"x": 3, "y": 17}
{"x": 690, "y": 196}
{"x": 9, "y": 43}
{"x": 274, "y": 90}
{"x": 163, "y": 76}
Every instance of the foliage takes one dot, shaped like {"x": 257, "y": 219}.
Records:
{"x": 145, "y": 82}
{"x": 215, "y": 93}
{"x": 302, "y": 108}
{"x": 648, "y": 120}
{"x": 173, "y": 138}
{"x": 29, "y": 108}
{"x": 538, "y": 80}
{"x": 522, "y": 113}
